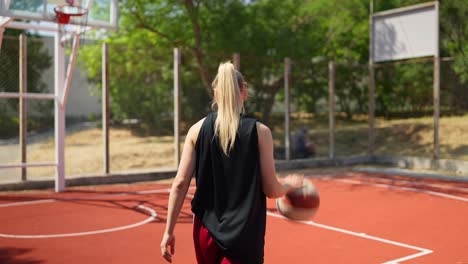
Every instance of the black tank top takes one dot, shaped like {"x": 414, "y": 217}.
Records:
{"x": 229, "y": 199}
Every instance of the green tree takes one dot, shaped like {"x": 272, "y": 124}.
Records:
{"x": 264, "y": 32}
{"x": 209, "y": 32}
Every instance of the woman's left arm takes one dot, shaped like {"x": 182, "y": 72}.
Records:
{"x": 179, "y": 189}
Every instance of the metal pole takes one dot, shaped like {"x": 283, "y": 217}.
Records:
{"x": 105, "y": 106}
{"x": 436, "y": 154}
{"x": 236, "y": 59}
{"x": 331, "y": 107}
{"x": 23, "y": 85}
{"x": 371, "y": 84}
{"x": 69, "y": 75}
{"x": 59, "y": 113}
{"x": 177, "y": 57}
{"x": 3, "y": 24}
{"x": 287, "y": 112}
{"x": 28, "y": 95}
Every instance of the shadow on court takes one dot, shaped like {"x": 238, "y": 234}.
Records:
{"x": 128, "y": 201}
{"x": 11, "y": 255}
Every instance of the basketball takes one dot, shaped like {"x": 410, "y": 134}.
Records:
{"x": 300, "y": 204}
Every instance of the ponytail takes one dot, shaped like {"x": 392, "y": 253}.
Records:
{"x": 228, "y": 99}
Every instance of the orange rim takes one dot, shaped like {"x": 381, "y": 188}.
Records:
{"x": 65, "y": 12}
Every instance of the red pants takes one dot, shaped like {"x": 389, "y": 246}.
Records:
{"x": 205, "y": 247}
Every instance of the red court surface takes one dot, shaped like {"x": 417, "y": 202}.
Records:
{"x": 363, "y": 218}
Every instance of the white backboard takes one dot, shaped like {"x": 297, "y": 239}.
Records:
{"x": 406, "y": 33}
{"x": 101, "y": 13}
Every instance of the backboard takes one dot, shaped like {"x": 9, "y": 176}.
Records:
{"x": 101, "y": 13}
{"x": 407, "y": 32}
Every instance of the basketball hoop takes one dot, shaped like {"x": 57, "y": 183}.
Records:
{"x": 68, "y": 15}
{"x": 65, "y": 12}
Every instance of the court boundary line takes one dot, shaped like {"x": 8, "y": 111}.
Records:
{"x": 411, "y": 189}
{"x": 435, "y": 185}
{"x": 422, "y": 251}
{"x": 164, "y": 190}
{"x": 406, "y": 172}
{"x": 153, "y": 216}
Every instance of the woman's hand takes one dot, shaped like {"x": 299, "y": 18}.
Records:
{"x": 293, "y": 181}
{"x": 168, "y": 247}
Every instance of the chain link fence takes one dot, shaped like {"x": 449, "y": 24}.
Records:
{"x": 141, "y": 84}
{"x": 142, "y": 126}
{"x": 453, "y": 124}
{"x": 404, "y": 109}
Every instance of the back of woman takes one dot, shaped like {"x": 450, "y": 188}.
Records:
{"x": 229, "y": 200}
{"x": 231, "y": 156}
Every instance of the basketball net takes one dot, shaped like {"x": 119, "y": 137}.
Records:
{"x": 72, "y": 20}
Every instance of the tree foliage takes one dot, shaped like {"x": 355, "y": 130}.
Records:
{"x": 264, "y": 32}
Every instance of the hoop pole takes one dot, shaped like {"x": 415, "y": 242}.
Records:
{"x": 177, "y": 88}
{"x": 287, "y": 112}
{"x": 371, "y": 83}
{"x": 436, "y": 80}
{"x": 105, "y": 106}
{"x": 59, "y": 112}
{"x": 331, "y": 108}
{"x": 71, "y": 65}
{"x": 23, "y": 131}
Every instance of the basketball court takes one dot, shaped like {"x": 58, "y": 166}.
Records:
{"x": 363, "y": 218}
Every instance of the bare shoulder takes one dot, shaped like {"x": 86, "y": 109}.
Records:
{"x": 194, "y": 130}
{"x": 263, "y": 131}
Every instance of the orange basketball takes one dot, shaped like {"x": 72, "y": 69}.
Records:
{"x": 300, "y": 204}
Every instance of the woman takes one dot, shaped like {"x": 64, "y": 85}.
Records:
{"x": 231, "y": 156}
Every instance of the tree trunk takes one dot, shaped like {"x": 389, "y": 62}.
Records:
{"x": 267, "y": 108}
{"x": 197, "y": 50}
{"x": 203, "y": 71}
{"x": 270, "y": 101}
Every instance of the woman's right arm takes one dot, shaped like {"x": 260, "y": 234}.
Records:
{"x": 273, "y": 187}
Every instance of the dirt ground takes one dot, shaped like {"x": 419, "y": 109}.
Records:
{"x": 131, "y": 152}
{"x": 84, "y": 154}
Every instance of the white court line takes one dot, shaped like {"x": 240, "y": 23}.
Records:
{"x": 88, "y": 198}
{"x": 442, "y": 186}
{"x": 151, "y": 211}
{"x": 388, "y": 186}
{"x": 422, "y": 251}
{"x": 149, "y": 219}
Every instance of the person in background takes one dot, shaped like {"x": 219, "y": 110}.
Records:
{"x": 301, "y": 147}
{"x": 231, "y": 156}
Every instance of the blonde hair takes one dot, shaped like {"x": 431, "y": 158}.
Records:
{"x": 227, "y": 85}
